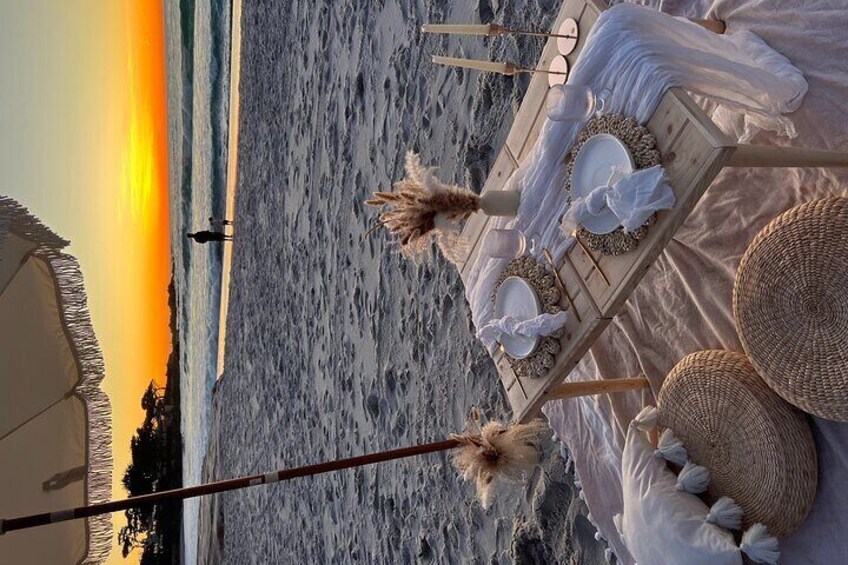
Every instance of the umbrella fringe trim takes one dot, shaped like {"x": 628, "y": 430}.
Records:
{"x": 76, "y": 320}
{"x": 17, "y": 219}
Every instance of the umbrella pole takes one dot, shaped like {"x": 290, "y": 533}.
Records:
{"x": 37, "y": 414}
{"x": 42, "y": 519}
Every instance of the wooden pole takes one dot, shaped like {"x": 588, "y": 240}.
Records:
{"x": 771, "y": 156}
{"x": 603, "y": 386}
{"x": 500, "y": 30}
{"x": 513, "y": 69}
{"x": 508, "y": 69}
{"x": 34, "y": 520}
{"x": 492, "y": 30}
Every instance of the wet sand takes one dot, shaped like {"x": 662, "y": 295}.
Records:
{"x": 212, "y": 530}
{"x": 232, "y": 170}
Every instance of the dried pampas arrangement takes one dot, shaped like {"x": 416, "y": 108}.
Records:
{"x": 498, "y": 451}
{"x": 413, "y": 208}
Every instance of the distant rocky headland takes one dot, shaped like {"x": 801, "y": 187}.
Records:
{"x": 157, "y": 455}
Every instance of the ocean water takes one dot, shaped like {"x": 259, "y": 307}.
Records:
{"x": 336, "y": 346}
{"x": 198, "y": 77}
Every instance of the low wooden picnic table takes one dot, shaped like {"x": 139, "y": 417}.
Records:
{"x": 694, "y": 150}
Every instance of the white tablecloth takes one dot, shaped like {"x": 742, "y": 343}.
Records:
{"x": 638, "y": 54}
{"x": 684, "y": 302}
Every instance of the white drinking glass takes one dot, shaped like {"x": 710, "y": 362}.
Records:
{"x": 507, "y": 243}
{"x": 574, "y": 102}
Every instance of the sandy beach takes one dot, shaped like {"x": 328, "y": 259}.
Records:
{"x": 340, "y": 347}
{"x": 232, "y": 177}
{"x": 337, "y": 346}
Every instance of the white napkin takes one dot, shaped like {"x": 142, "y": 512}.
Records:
{"x": 541, "y": 325}
{"x": 632, "y": 198}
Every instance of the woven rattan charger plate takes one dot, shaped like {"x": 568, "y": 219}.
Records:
{"x": 643, "y": 147}
{"x": 543, "y": 357}
{"x": 759, "y": 449}
{"x": 790, "y": 301}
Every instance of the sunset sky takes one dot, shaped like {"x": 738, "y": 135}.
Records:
{"x": 83, "y": 146}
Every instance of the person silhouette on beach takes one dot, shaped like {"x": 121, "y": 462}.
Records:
{"x": 206, "y": 236}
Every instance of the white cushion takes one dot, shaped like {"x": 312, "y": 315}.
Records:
{"x": 661, "y": 525}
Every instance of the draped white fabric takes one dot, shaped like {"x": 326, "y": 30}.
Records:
{"x": 638, "y": 54}
{"x": 683, "y": 304}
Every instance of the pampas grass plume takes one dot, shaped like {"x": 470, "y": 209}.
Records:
{"x": 498, "y": 452}
{"x": 410, "y": 211}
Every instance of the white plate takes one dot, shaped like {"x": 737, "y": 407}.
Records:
{"x": 592, "y": 168}
{"x": 516, "y": 298}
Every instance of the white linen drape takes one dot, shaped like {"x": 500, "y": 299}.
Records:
{"x": 638, "y": 54}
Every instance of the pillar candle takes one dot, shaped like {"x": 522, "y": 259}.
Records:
{"x": 466, "y": 29}
{"x": 489, "y": 66}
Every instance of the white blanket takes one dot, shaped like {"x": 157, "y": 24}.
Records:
{"x": 684, "y": 302}
{"x": 638, "y": 54}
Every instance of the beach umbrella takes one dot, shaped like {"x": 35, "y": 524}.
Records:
{"x": 55, "y": 421}
{"x": 484, "y": 455}
{"x": 487, "y": 455}
{"x": 55, "y": 429}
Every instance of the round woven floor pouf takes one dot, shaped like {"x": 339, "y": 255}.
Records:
{"x": 759, "y": 449}
{"x": 790, "y": 301}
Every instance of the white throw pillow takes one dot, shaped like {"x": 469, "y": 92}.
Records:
{"x": 661, "y": 525}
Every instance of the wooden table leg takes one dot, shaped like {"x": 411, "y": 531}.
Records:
{"x": 602, "y": 386}
{"x": 771, "y": 156}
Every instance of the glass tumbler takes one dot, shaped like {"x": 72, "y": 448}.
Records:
{"x": 574, "y": 102}
{"x": 506, "y": 243}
